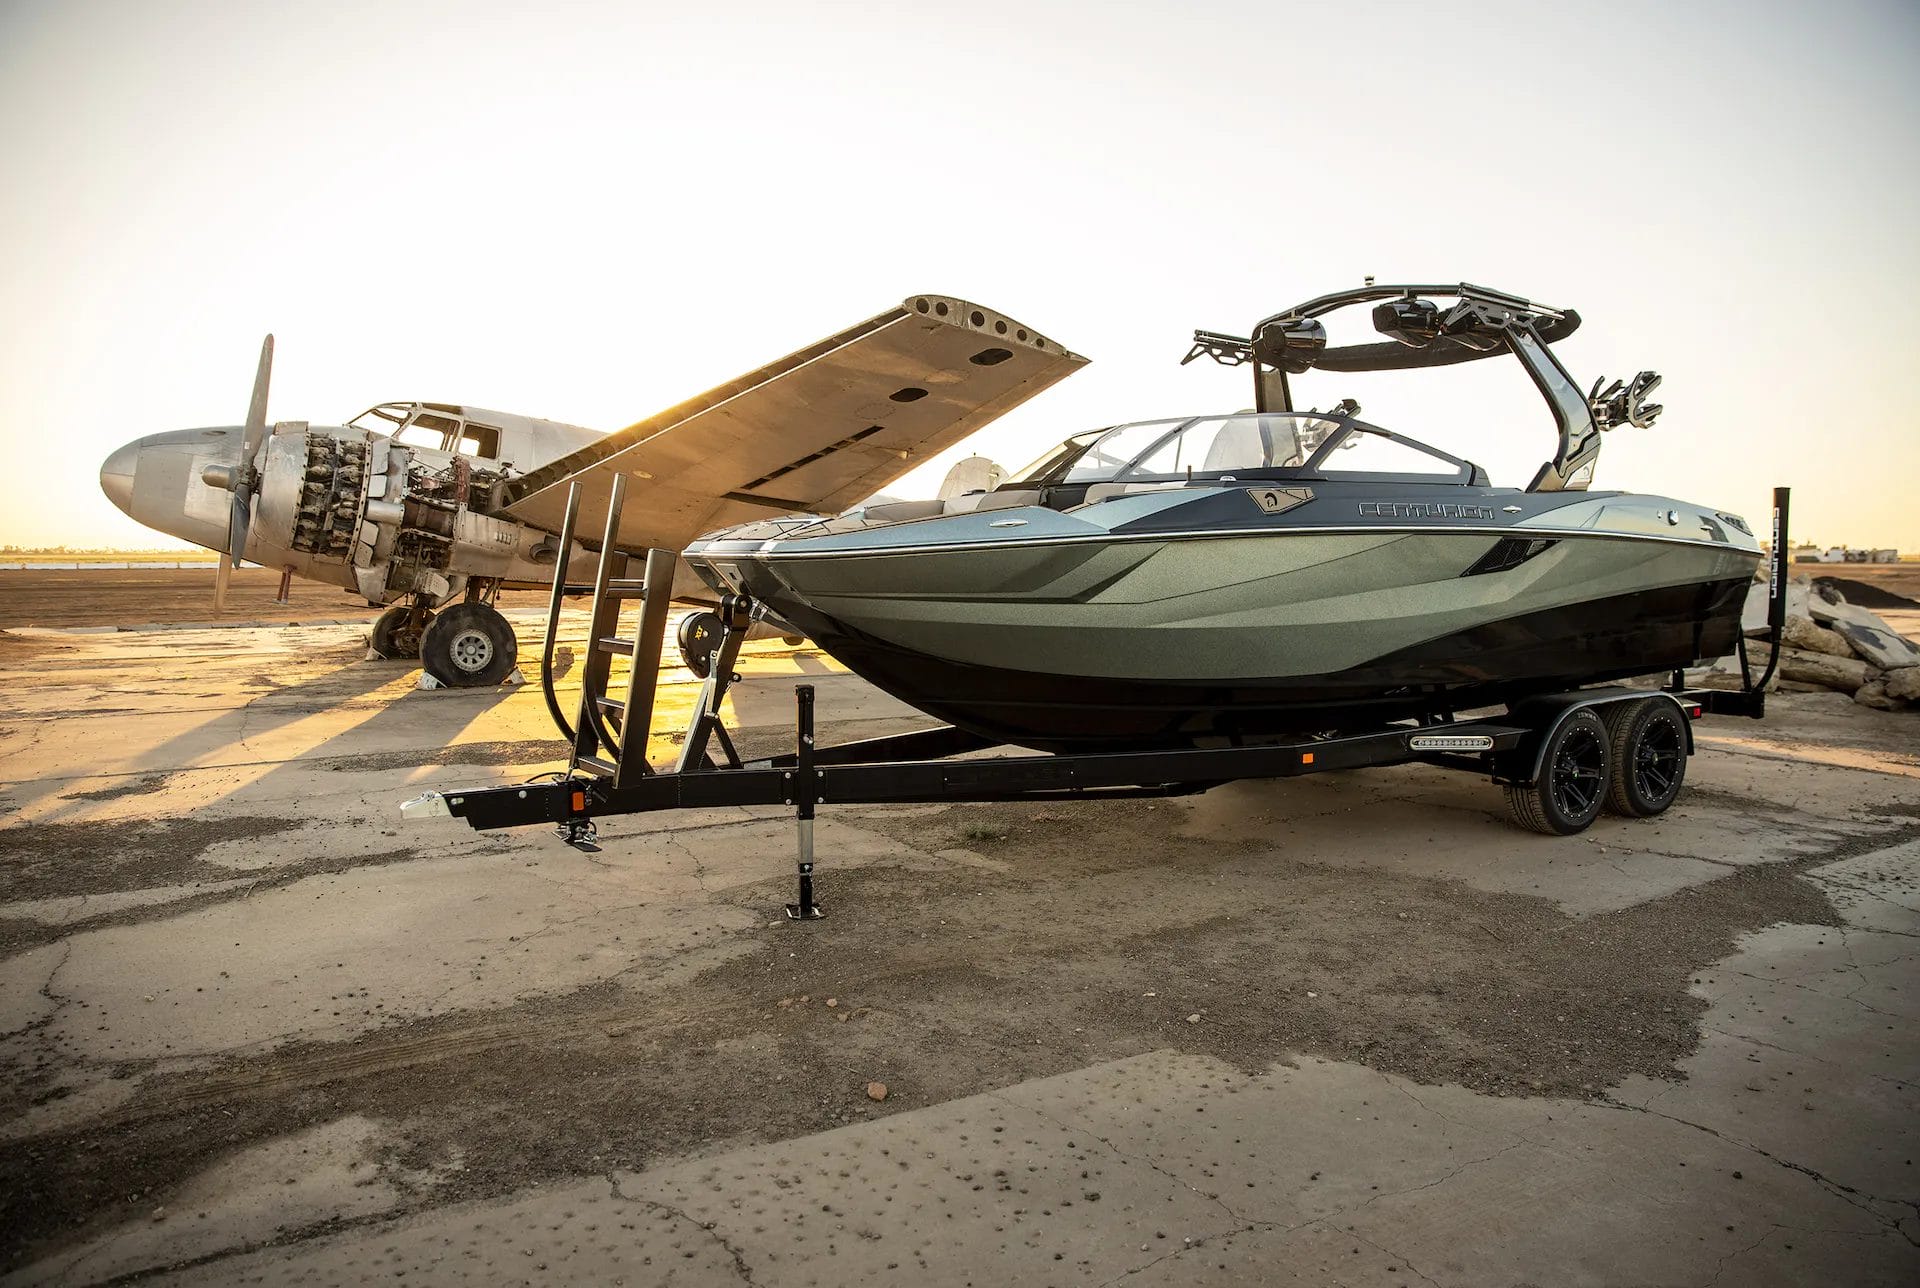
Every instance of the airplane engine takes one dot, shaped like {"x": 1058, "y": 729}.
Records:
{"x": 387, "y": 519}
{"x": 419, "y": 533}
{"x": 312, "y": 486}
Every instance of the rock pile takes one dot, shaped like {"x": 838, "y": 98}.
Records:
{"x": 1829, "y": 643}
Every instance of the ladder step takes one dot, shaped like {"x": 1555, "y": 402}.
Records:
{"x": 613, "y": 644}
{"x": 626, "y": 587}
{"x": 616, "y": 705}
{"x": 595, "y": 765}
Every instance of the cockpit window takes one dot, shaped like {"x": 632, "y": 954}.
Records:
{"x": 428, "y": 429}
{"x": 382, "y": 419}
{"x": 479, "y": 440}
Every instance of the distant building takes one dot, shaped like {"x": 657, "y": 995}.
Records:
{"x": 1843, "y": 554}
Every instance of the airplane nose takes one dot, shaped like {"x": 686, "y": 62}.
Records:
{"x": 116, "y": 476}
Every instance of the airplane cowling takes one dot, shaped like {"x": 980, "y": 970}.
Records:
{"x": 276, "y": 506}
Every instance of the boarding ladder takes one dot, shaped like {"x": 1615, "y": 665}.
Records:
{"x": 609, "y": 734}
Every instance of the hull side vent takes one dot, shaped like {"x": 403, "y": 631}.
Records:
{"x": 1509, "y": 552}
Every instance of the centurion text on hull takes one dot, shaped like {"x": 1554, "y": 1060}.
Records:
{"x": 1180, "y": 581}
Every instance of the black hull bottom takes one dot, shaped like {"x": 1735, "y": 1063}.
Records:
{"x": 1555, "y": 649}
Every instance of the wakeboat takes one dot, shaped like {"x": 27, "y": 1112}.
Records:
{"x": 1216, "y": 579}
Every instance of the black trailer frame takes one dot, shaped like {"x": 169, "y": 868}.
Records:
{"x": 608, "y": 773}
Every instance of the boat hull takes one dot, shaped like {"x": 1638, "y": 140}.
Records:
{"x": 1155, "y": 643}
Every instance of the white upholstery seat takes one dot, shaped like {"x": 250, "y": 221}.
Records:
{"x": 1236, "y": 446}
{"x": 902, "y": 511}
{"x": 1107, "y": 491}
{"x": 975, "y": 502}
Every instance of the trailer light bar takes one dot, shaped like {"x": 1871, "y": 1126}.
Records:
{"x": 1450, "y": 742}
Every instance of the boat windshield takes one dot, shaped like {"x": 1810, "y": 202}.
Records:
{"x": 1246, "y": 445}
{"x": 1179, "y": 448}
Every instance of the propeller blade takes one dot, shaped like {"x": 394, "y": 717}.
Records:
{"x": 239, "y": 518}
{"x": 240, "y": 512}
{"x": 257, "y": 409}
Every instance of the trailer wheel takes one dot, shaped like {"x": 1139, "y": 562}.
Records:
{"x": 1573, "y": 780}
{"x": 395, "y": 635}
{"x": 469, "y": 646}
{"x": 1649, "y": 746}
{"x": 698, "y": 638}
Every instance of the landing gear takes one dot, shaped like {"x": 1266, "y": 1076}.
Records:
{"x": 699, "y": 637}
{"x": 398, "y": 631}
{"x": 1575, "y": 770}
{"x": 469, "y": 645}
{"x": 1649, "y": 750}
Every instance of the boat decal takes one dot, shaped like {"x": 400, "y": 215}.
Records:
{"x": 1278, "y": 500}
{"x": 1423, "y": 510}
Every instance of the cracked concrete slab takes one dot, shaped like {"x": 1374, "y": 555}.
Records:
{"x": 1176, "y": 1170}
{"x": 65, "y": 910}
{"x": 326, "y": 1174}
{"x": 552, "y": 1065}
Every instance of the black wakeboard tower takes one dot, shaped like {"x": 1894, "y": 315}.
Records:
{"x": 1424, "y": 331}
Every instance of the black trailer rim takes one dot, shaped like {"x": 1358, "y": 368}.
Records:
{"x": 1579, "y": 773}
{"x": 1656, "y": 760}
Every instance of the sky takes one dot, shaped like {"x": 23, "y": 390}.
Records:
{"x": 593, "y": 211}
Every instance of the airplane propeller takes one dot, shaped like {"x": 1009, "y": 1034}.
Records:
{"x": 240, "y": 477}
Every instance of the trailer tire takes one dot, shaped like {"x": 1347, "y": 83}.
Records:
{"x": 1649, "y": 746}
{"x": 1572, "y": 784}
{"x": 469, "y": 646}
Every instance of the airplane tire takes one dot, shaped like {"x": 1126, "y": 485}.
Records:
{"x": 469, "y": 646}
{"x": 1574, "y": 777}
{"x": 1649, "y": 756}
{"x": 394, "y": 634}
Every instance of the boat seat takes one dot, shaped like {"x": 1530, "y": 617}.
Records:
{"x": 1107, "y": 491}
{"x": 1236, "y": 445}
{"x": 975, "y": 502}
{"x": 902, "y": 511}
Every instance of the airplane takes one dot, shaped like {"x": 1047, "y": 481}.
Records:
{"x": 430, "y": 510}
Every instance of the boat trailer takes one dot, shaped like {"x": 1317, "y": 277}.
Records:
{"x": 608, "y": 772}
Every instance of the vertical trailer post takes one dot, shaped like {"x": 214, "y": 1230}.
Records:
{"x": 805, "y": 793}
{"x": 1776, "y": 587}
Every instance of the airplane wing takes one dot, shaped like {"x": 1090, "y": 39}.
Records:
{"x": 816, "y": 431}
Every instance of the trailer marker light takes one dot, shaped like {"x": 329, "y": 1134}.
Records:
{"x": 1451, "y": 742}
{"x": 1306, "y": 758}
{"x": 579, "y": 800}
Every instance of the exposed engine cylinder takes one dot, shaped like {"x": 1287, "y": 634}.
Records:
{"x": 330, "y": 496}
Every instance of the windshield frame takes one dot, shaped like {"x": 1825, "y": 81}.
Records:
{"x": 1054, "y": 467}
